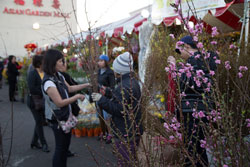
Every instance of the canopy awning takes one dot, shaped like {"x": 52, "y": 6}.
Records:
{"x": 226, "y": 19}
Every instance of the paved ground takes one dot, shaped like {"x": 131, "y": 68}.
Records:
{"x": 23, "y": 156}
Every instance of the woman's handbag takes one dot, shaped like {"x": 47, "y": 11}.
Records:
{"x": 69, "y": 124}
{"x": 66, "y": 125}
{"x": 38, "y": 102}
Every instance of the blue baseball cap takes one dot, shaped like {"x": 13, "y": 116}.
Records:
{"x": 187, "y": 40}
{"x": 104, "y": 57}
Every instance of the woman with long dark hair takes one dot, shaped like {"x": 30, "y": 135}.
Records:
{"x": 36, "y": 103}
{"x": 58, "y": 103}
{"x": 12, "y": 77}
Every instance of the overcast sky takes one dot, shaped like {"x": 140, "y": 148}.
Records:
{"x": 107, "y": 11}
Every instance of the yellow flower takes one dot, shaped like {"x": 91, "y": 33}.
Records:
{"x": 162, "y": 99}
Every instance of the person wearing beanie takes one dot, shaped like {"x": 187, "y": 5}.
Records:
{"x": 123, "y": 63}
{"x": 194, "y": 97}
{"x": 106, "y": 83}
{"x": 125, "y": 109}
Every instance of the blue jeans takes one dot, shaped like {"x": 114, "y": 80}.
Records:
{"x": 62, "y": 146}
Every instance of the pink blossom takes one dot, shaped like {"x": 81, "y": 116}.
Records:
{"x": 199, "y": 27}
{"x": 207, "y": 55}
{"x": 199, "y": 45}
{"x": 217, "y": 61}
{"x": 201, "y": 114}
{"x": 200, "y": 73}
{"x": 214, "y": 42}
{"x": 195, "y": 115}
{"x": 248, "y": 123}
{"x": 225, "y": 165}
{"x": 205, "y": 80}
{"x": 227, "y": 65}
{"x": 212, "y": 73}
{"x": 187, "y": 103}
{"x": 203, "y": 143}
{"x": 167, "y": 69}
{"x": 174, "y": 120}
{"x": 209, "y": 84}
{"x": 181, "y": 70}
{"x": 172, "y": 36}
{"x": 179, "y": 135}
{"x": 243, "y": 68}
{"x": 197, "y": 56}
{"x": 183, "y": 94}
{"x": 240, "y": 75}
{"x": 195, "y": 38}
{"x": 232, "y": 46}
{"x": 188, "y": 74}
{"x": 179, "y": 45}
{"x": 166, "y": 126}
{"x": 171, "y": 137}
{"x": 214, "y": 31}
{"x": 207, "y": 89}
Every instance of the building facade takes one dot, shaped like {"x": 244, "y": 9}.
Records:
{"x": 34, "y": 21}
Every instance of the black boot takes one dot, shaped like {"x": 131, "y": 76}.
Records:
{"x": 35, "y": 145}
{"x": 45, "y": 148}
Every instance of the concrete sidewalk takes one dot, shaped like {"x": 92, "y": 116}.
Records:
{"x": 23, "y": 156}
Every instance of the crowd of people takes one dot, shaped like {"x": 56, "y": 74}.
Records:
{"x": 53, "y": 95}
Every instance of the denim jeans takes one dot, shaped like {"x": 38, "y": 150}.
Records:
{"x": 62, "y": 141}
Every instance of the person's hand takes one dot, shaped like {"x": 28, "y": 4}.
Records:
{"x": 96, "y": 96}
{"x": 87, "y": 85}
{"x": 80, "y": 96}
{"x": 171, "y": 60}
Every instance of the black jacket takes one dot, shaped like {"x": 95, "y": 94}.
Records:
{"x": 194, "y": 92}
{"x": 12, "y": 72}
{"x": 34, "y": 83}
{"x": 63, "y": 113}
{"x": 107, "y": 79}
{"x": 126, "y": 96}
{"x": 1, "y": 67}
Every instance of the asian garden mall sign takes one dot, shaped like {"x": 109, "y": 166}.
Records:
{"x": 31, "y": 12}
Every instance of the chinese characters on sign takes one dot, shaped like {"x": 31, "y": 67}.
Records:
{"x": 39, "y": 3}
{"x": 19, "y": 2}
{"x": 56, "y": 4}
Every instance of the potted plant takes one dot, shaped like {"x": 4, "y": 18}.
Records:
{"x": 84, "y": 130}
{"x": 78, "y": 131}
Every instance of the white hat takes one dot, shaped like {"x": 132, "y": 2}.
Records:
{"x": 123, "y": 63}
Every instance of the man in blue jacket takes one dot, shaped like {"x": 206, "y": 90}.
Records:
{"x": 125, "y": 109}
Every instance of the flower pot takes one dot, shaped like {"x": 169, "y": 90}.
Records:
{"x": 90, "y": 132}
{"x": 96, "y": 132}
{"x": 100, "y": 130}
{"x": 84, "y": 131}
{"x": 78, "y": 132}
{"x": 73, "y": 131}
